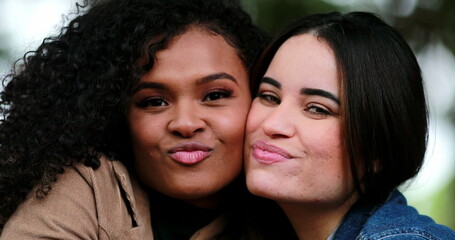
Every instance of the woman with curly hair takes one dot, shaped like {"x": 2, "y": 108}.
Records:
{"x": 156, "y": 89}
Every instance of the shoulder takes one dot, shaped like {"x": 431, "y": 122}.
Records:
{"x": 396, "y": 220}
{"x": 83, "y": 204}
{"x": 70, "y": 201}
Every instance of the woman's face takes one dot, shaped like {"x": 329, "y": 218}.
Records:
{"x": 294, "y": 148}
{"x": 187, "y": 117}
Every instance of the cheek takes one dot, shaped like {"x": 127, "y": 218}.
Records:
{"x": 144, "y": 130}
{"x": 330, "y": 149}
{"x": 324, "y": 139}
{"x": 232, "y": 138}
{"x": 255, "y": 117}
{"x": 323, "y": 145}
{"x": 230, "y": 125}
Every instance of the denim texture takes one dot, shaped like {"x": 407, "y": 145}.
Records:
{"x": 393, "y": 220}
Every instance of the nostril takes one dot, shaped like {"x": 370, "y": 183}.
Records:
{"x": 186, "y": 128}
{"x": 187, "y": 134}
{"x": 178, "y": 134}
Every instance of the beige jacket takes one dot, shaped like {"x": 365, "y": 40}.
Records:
{"x": 90, "y": 204}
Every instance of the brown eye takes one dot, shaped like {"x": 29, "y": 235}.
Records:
{"x": 152, "y": 102}
{"x": 317, "y": 111}
{"x": 269, "y": 98}
{"x": 217, "y": 94}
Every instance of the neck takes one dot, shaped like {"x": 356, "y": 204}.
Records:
{"x": 210, "y": 202}
{"x": 315, "y": 221}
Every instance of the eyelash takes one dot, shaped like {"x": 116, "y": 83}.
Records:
{"x": 269, "y": 98}
{"x": 151, "y": 102}
{"x": 220, "y": 94}
{"x": 156, "y": 102}
{"x": 312, "y": 108}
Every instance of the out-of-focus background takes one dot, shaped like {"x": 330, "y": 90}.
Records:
{"x": 427, "y": 25}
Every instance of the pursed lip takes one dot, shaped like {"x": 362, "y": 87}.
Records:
{"x": 269, "y": 154}
{"x": 189, "y": 153}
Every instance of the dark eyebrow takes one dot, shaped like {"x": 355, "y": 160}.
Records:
{"x": 206, "y": 79}
{"x": 216, "y": 76}
{"x": 319, "y": 92}
{"x": 271, "y": 81}
{"x": 144, "y": 85}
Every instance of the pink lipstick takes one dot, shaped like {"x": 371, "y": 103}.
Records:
{"x": 189, "y": 153}
{"x": 269, "y": 154}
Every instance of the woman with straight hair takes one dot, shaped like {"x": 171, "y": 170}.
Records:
{"x": 339, "y": 122}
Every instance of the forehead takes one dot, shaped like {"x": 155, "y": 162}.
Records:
{"x": 197, "y": 41}
{"x": 194, "y": 35}
{"x": 198, "y": 51}
{"x": 307, "y": 61}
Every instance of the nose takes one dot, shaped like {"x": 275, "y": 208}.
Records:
{"x": 186, "y": 121}
{"x": 279, "y": 122}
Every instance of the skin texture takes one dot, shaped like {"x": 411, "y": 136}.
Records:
{"x": 300, "y": 160}
{"x": 196, "y": 93}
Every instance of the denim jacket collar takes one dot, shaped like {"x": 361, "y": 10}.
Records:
{"x": 353, "y": 222}
{"x": 394, "y": 219}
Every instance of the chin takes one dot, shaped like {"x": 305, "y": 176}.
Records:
{"x": 260, "y": 185}
{"x": 207, "y": 197}
{"x": 194, "y": 191}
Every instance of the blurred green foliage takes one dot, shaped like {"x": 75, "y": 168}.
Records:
{"x": 4, "y": 50}
{"x": 429, "y": 23}
{"x": 272, "y": 15}
{"x": 428, "y": 20}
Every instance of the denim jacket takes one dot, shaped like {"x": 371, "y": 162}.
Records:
{"x": 393, "y": 220}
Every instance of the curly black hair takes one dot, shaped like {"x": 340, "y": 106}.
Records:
{"x": 66, "y": 102}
